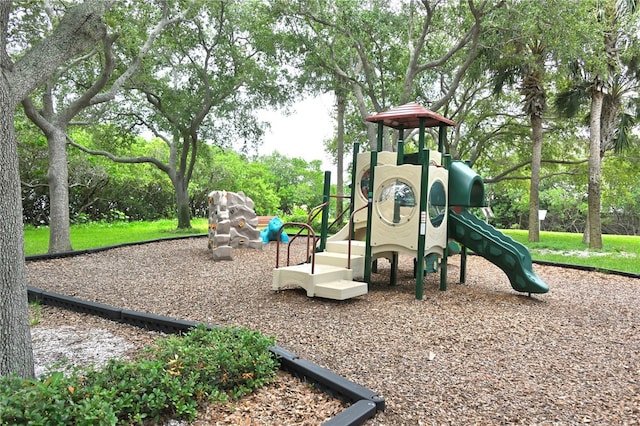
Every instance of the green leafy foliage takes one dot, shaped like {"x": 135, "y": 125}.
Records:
{"x": 236, "y": 360}
{"x": 103, "y": 191}
{"x": 170, "y": 379}
{"x": 35, "y": 313}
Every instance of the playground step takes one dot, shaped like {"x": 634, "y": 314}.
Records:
{"x": 331, "y": 282}
{"x": 301, "y": 275}
{"x": 342, "y": 246}
{"x": 341, "y": 290}
{"x": 341, "y": 260}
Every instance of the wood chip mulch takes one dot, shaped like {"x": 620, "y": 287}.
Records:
{"x": 479, "y": 353}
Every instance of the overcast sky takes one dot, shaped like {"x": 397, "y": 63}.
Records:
{"x": 302, "y": 133}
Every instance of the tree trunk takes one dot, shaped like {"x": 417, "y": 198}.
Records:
{"x": 372, "y": 128}
{"x": 534, "y": 189}
{"x": 586, "y": 234}
{"x": 182, "y": 202}
{"x": 341, "y": 104}
{"x": 78, "y": 30}
{"x": 16, "y": 355}
{"x": 58, "y": 177}
{"x": 593, "y": 191}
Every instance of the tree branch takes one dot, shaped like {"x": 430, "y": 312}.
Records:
{"x": 84, "y": 100}
{"x": 34, "y": 115}
{"x": 80, "y": 28}
{"x": 164, "y": 23}
{"x": 503, "y": 176}
{"x": 116, "y": 159}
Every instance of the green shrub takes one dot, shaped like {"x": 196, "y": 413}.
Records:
{"x": 301, "y": 215}
{"x": 170, "y": 379}
{"x": 35, "y": 313}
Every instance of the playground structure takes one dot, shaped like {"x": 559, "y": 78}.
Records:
{"x": 412, "y": 204}
{"x": 232, "y": 224}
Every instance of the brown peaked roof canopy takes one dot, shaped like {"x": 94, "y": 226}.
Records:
{"x": 408, "y": 116}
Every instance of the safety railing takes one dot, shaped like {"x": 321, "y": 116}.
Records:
{"x": 314, "y": 212}
{"x": 310, "y": 235}
{"x": 318, "y": 209}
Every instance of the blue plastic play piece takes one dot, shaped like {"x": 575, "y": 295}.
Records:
{"x": 270, "y": 233}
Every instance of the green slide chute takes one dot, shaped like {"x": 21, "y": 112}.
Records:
{"x": 501, "y": 250}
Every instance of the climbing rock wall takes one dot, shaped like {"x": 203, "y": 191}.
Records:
{"x": 232, "y": 224}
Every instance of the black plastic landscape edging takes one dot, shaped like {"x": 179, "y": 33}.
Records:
{"x": 588, "y": 268}
{"x": 364, "y": 402}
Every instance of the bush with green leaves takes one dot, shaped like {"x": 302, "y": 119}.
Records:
{"x": 170, "y": 379}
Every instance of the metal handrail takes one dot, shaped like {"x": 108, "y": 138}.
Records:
{"x": 310, "y": 233}
{"x": 319, "y": 209}
{"x": 343, "y": 212}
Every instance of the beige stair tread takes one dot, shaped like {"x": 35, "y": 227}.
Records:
{"x": 342, "y": 260}
{"x": 306, "y": 268}
{"x": 338, "y": 255}
{"x": 341, "y": 289}
{"x": 342, "y": 246}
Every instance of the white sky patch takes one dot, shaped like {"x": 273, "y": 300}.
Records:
{"x": 301, "y": 134}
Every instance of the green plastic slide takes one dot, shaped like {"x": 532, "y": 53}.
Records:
{"x": 509, "y": 255}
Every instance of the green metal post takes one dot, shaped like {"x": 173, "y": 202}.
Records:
{"x": 422, "y": 230}
{"x": 421, "y": 142}
{"x": 445, "y": 252}
{"x": 442, "y": 137}
{"x": 326, "y": 196}
{"x": 394, "y": 269}
{"x": 393, "y": 279}
{"x": 367, "y": 250}
{"x": 400, "y": 158}
{"x": 463, "y": 264}
{"x": 368, "y": 266}
{"x": 463, "y": 253}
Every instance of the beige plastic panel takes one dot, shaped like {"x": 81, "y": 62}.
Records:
{"x": 436, "y": 238}
{"x": 402, "y": 236}
{"x": 363, "y": 163}
{"x": 435, "y": 158}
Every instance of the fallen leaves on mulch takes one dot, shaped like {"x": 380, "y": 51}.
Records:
{"x": 288, "y": 401}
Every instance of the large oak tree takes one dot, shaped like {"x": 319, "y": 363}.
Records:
{"x": 88, "y": 82}
{"x": 390, "y": 54}
{"x": 79, "y": 30}
{"x": 204, "y": 82}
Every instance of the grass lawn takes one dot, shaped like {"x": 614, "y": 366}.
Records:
{"x": 92, "y": 235}
{"x": 621, "y": 252}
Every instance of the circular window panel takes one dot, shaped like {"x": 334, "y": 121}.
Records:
{"x": 365, "y": 184}
{"x": 437, "y": 204}
{"x": 396, "y": 202}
